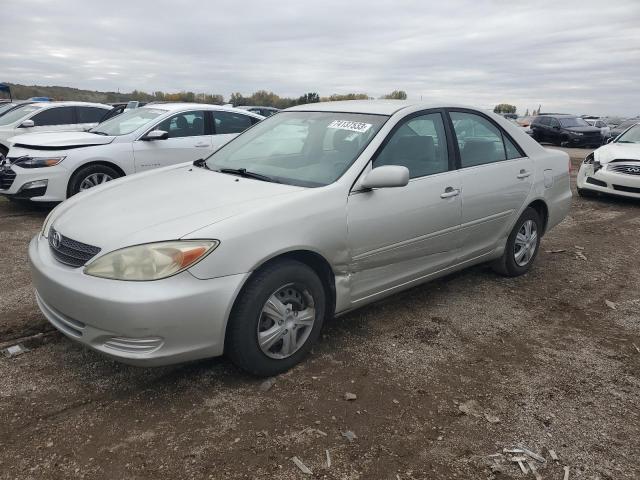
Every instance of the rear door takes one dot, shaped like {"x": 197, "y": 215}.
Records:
{"x": 188, "y": 140}
{"x": 227, "y": 125}
{"x": 398, "y": 235}
{"x": 496, "y": 178}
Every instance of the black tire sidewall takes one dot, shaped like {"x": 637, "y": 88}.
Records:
{"x": 84, "y": 172}
{"x": 242, "y": 342}
{"x": 512, "y": 268}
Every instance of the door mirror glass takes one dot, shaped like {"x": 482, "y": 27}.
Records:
{"x": 156, "y": 135}
{"x": 387, "y": 176}
{"x": 27, "y": 124}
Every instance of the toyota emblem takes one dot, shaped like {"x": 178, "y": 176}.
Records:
{"x": 56, "y": 240}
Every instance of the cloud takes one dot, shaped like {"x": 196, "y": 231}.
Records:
{"x": 575, "y": 56}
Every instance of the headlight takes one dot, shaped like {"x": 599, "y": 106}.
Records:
{"x": 37, "y": 162}
{"x": 151, "y": 261}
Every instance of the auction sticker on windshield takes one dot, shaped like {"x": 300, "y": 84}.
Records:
{"x": 359, "y": 127}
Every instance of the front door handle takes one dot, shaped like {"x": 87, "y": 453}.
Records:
{"x": 450, "y": 192}
{"x": 202, "y": 145}
{"x": 523, "y": 174}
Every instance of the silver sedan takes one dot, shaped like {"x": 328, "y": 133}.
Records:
{"x": 311, "y": 213}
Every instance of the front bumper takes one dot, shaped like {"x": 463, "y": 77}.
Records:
{"x": 585, "y": 141}
{"x": 19, "y": 182}
{"x": 607, "y": 181}
{"x": 161, "y": 322}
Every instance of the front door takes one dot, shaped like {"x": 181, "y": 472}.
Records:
{"x": 399, "y": 235}
{"x": 188, "y": 141}
{"x": 496, "y": 179}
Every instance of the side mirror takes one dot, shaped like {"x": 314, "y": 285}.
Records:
{"x": 610, "y": 139}
{"x": 387, "y": 176}
{"x": 27, "y": 124}
{"x": 156, "y": 135}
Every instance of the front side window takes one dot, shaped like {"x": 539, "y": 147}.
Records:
{"x": 91, "y": 114}
{"x": 420, "y": 144}
{"x": 630, "y": 136}
{"x": 310, "y": 149}
{"x": 128, "y": 122}
{"x": 18, "y": 113}
{"x": 230, "y": 122}
{"x": 185, "y": 124}
{"x": 54, "y": 116}
{"x": 479, "y": 140}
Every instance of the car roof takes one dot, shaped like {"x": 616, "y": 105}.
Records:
{"x": 375, "y": 107}
{"x": 70, "y": 104}
{"x": 204, "y": 106}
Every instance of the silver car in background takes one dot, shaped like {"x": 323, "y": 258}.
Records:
{"x": 309, "y": 214}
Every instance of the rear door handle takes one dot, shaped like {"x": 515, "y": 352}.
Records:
{"x": 523, "y": 174}
{"x": 450, "y": 192}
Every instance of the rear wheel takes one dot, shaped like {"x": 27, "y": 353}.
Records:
{"x": 522, "y": 245}
{"x": 276, "y": 318}
{"x": 89, "y": 177}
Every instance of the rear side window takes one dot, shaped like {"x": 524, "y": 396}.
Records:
{"x": 420, "y": 144}
{"x": 54, "y": 116}
{"x": 91, "y": 114}
{"x": 230, "y": 122}
{"x": 479, "y": 140}
{"x": 511, "y": 150}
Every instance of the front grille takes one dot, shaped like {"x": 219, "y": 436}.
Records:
{"x": 622, "y": 188}
{"x": 626, "y": 169}
{"x": 70, "y": 252}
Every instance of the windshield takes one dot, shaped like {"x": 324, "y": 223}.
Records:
{"x": 309, "y": 149}
{"x": 630, "y": 136}
{"x": 573, "y": 122}
{"x": 6, "y": 106}
{"x": 18, "y": 113}
{"x": 128, "y": 122}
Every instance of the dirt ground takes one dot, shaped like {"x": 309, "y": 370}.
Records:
{"x": 548, "y": 363}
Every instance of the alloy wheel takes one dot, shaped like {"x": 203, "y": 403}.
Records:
{"x": 94, "y": 180}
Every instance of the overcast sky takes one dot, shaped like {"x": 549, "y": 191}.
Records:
{"x": 573, "y": 56}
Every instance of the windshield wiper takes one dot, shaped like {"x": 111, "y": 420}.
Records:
{"x": 98, "y": 132}
{"x": 243, "y": 172}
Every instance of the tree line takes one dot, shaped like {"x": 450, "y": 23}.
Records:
{"x": 261, "y": 97}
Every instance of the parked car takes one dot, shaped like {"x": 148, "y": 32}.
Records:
{"x": 613, "y": 168}
{"x": 264, "y": 111}
{"x": 249, "y": 252}
{"x": 50, "y": 167}
{"x": 605, "y": 130}
{"x": 49, "y": 117}
{"x": 622, "y": 126}
{"x": 565, "y": 130}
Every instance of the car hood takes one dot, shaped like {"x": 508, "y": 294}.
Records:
{"x": 60, "y": 140}
{"x": 165, "y": 204}
{"x": 584, "y": 129}
{"x": 618, "y": 151}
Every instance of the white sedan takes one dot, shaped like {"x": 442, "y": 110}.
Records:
{"x": 613, "y": 168}
{"x": 50, "y": 167}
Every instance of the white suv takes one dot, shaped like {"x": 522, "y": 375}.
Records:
{"x": 50, "y": 167}
{"x": 49, "y": 117}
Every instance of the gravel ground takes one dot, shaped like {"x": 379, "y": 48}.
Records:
{"x": 539, "y": 360}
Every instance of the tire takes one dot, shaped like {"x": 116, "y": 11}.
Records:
{"x": 509, "y": 265}
{"x": 84, "y": 177}
{"x": 282, "y": 280}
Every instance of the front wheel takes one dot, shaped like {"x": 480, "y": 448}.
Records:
{"x": 276, "y": 318}
{"x": 89, "y": 177}
{"x": 522, "y": 245}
